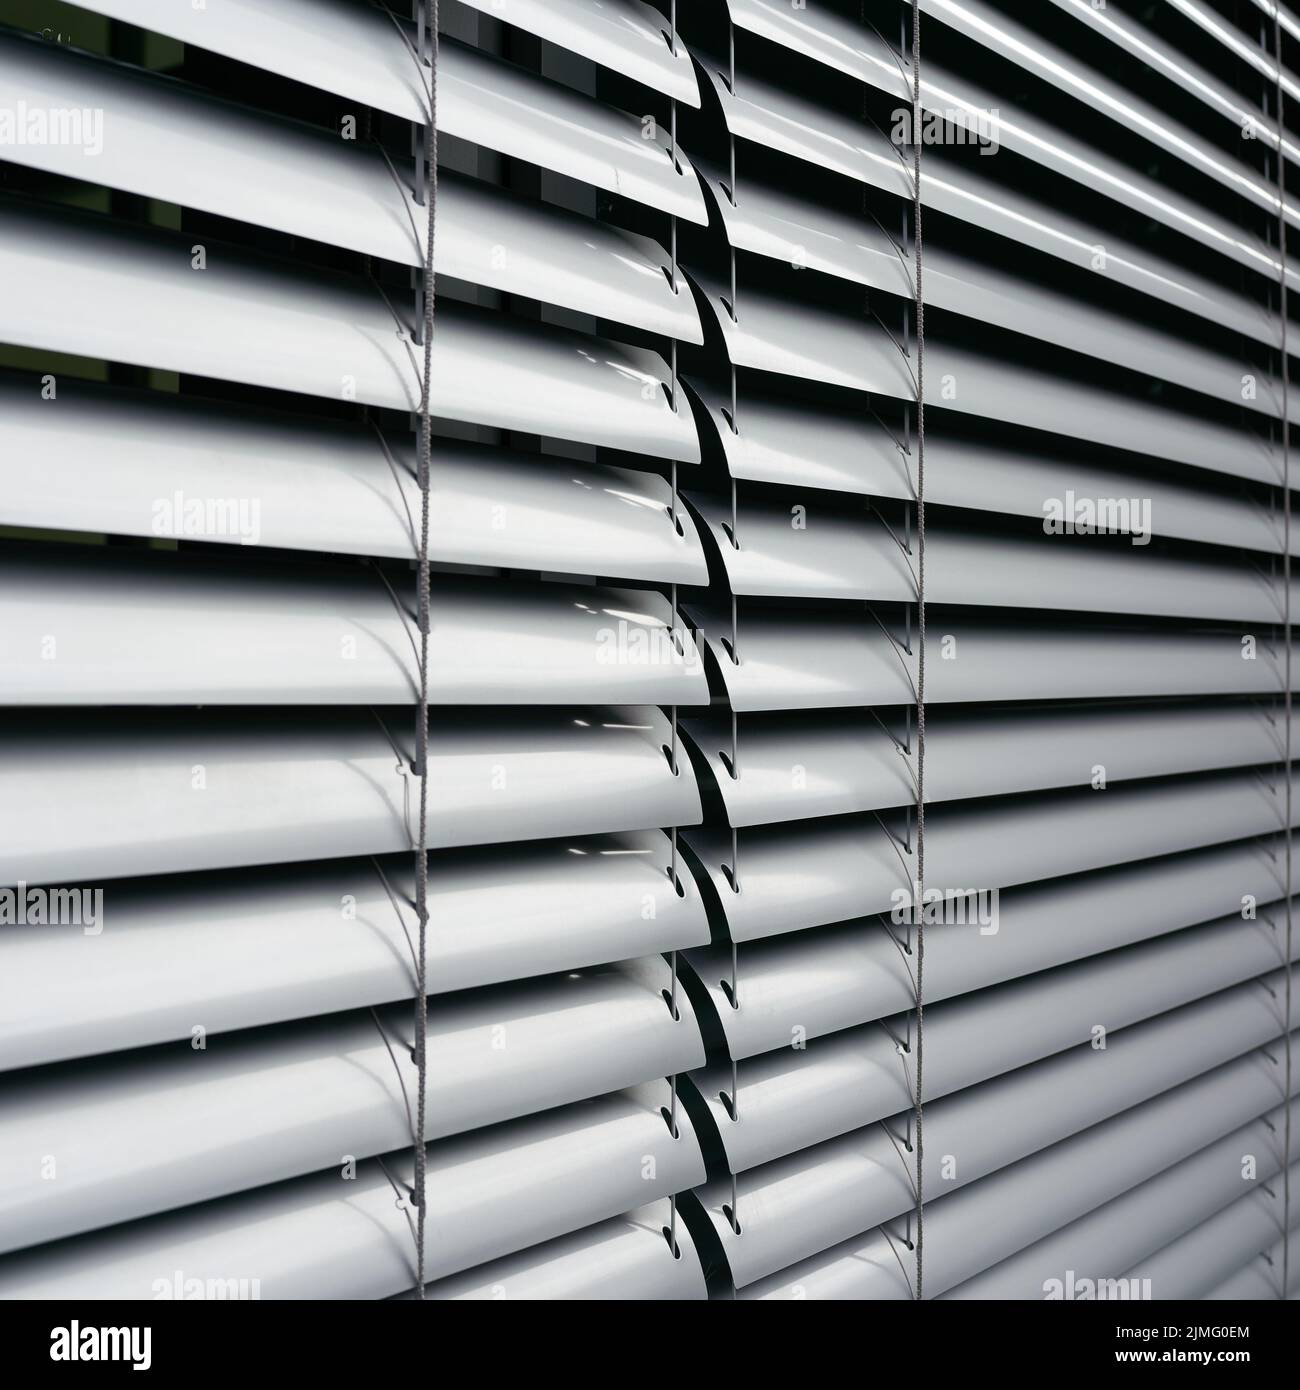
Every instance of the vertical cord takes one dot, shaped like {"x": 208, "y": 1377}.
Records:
{"x": 735, "y": 610}
{"x": 430, "y": 10}
{"x": 672, "y": 868}
{"x": 735, "y": 522}
{"x": 735, "y": 318}
{"x": 1286, "y": 618}
{"x": 920, "y": 622}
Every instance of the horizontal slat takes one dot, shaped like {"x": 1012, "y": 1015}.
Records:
{"x": 625, "y": 1258}
{"x": 784, "y": 441}
{"x": 233, "y": 949}
{"x": 775, "y": 221}
{"x": 826, "y": 660}
{"x": 1257, "y": 55}
{"x": 626, "y": 36}
{"x": 812, "y": 873}
{"x": 272, "y": 323}
{"x": 772, "y": 333}
{"x": 791, "y": 768}
{"x": 971, "y": 1229}
{"x": 823, "y": 1195}
{"x": 265, "y": 1106}
{"x": 513, "y": 244}
{"x": 851, "y": 1078}
{"x": 796, "y": 1095}
{"x": 826, "y": 551}
{"x": 861, "y": 52}
{"x": 843, "y": 348}
{"x": 1261, "y": 1278}
{"x": 309, "y": 182}
{"x": 774, "y": 224}
{"x": 840, "y": 976}
{"x": 334, "y": 45}
{"x": 780, "y": 119}
{"x": 1138, "y": 41}
{"x": 824, "y": 36}
{"x": 1051, "y": 1010}
{"x": 489, "y": 1194}
{"x": 120, "y": 796}
{"x": 312, "y": 41}
{"x": 357, "y": 51}
{"x": 1284, "y": 14}
{"x": 83, "y": 631}
{"x": 1167, "y": 1207}
{"x": 1194, "y": 1265}
{"x": 1066, "y": 72}
{"x": 508, "y": 109}
{"x": 772, "y": 220}
{"x": 109, "y": 460}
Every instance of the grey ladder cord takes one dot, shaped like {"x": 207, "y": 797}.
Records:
{"x": 734, "y": 310}
{"x": 428, "y": 14}
{"x": 1286, "y": 618}
{"x": 735, "y": 611}
{"x": 673, "y": 619}
{"x": 920, "y": 675}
